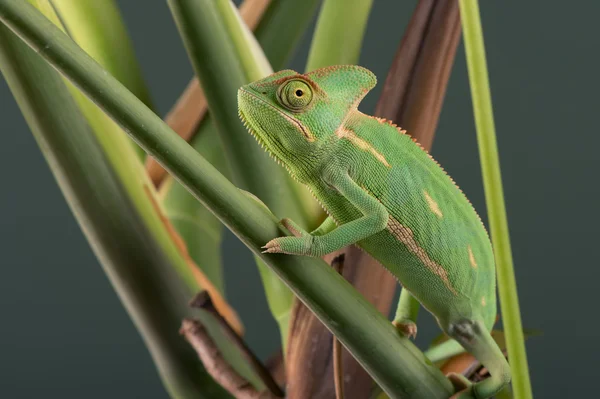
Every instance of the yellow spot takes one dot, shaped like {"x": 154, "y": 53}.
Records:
{"x": 349, "y": 135}
{"x": 435, "y": 208}
{"x": 406, "y": 236}
{"x": 483, "y": 302}
{"x": 472, "y": 258}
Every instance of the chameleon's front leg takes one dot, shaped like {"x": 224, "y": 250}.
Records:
{"x": 374, "y": 219}
{"x": 405, "y": 319}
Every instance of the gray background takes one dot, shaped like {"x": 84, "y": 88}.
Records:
{"x": 64, "y": 334}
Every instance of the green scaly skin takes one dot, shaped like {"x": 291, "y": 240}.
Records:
{"x": 384, "y": 193}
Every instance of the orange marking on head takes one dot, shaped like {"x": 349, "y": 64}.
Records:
{"x": 483, "y": 301}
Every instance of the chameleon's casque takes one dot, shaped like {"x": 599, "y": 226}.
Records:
{"x": 386, "y": 194}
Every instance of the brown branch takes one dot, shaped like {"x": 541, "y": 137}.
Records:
{"x": 412, "y": 97}
{"x": 189, "y": 110}
{"x": 415, "y": 86}
{"x": 203, "y": 301}
{"x": 216, "y": 365}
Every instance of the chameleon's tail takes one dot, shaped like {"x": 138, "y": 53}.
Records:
{"x": 478, "y": 341}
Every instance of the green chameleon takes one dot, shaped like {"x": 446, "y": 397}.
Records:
{"x": 385, "y": 193}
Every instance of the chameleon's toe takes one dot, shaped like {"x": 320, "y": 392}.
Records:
{"x": 272, "y": 247}
{"x": 406, "y": 328}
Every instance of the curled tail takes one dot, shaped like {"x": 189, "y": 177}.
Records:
{"x": 477, "y": 340}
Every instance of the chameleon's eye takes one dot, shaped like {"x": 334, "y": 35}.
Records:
{"x": 295, "y": 95}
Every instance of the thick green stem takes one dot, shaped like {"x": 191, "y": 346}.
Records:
{"x": 397, "y": 366}
{"x": 340, "y": 42}
{"x": 492, "y": 179}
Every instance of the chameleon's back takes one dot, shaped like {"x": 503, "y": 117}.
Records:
{"x": 435, "y": 242}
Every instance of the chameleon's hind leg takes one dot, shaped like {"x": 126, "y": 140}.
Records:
{"x": 405, "y": 319}
{"x": 478, "y": 341}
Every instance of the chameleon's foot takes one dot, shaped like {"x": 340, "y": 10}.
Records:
{"x": 287, "y": 245}
{"x": 407, "y": 328}
{"x": 302, "y": 244}
{"x": 462, "y": 386}
{"x": 293, "y": 246}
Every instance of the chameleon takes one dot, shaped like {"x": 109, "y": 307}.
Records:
{"x": 383, "y": 192}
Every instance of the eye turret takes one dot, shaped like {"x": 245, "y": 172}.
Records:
{"x": 295, "y": 95}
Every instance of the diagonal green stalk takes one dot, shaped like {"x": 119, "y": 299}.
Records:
{"x": 492, "y": 179}
{"x": 396, "y": 364}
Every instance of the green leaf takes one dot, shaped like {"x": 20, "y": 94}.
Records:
{"x": 395, "y": 363}
{"x": 97, "y": 27}
{"x": 197, "y": 226}
{"x": 141, "y": 272}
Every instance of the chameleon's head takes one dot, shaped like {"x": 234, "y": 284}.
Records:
{"x": 294, "y": 115}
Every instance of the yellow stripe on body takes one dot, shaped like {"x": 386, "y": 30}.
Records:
{"x": 406, "y": 236}
{"x": 364, "y": 145}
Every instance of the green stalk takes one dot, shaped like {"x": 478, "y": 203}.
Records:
{"x": 395, "y": 363}
{"x": 225, "y": 56}
{"x": 282, "y": 27}
{"x": 97, "y": 27}
{"x": 339, "y": 42}
{"x": 492, "y": 179}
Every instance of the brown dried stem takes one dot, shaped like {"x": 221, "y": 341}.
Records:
{"x": 189, "y": 110}
{"x": 216, "y": 365}
{"x": 203, "y": 301}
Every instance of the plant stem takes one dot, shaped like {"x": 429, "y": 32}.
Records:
{"x": 395, "y": 363}
{"x": 339, "y": 33}
{"x": 492, "y": 179}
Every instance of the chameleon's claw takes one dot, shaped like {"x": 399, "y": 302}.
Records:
{"x": 272, "y": 247}
{"x": 407, "y": 329}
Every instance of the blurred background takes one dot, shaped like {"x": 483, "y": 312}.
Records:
{"x": 63, "y": 332}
